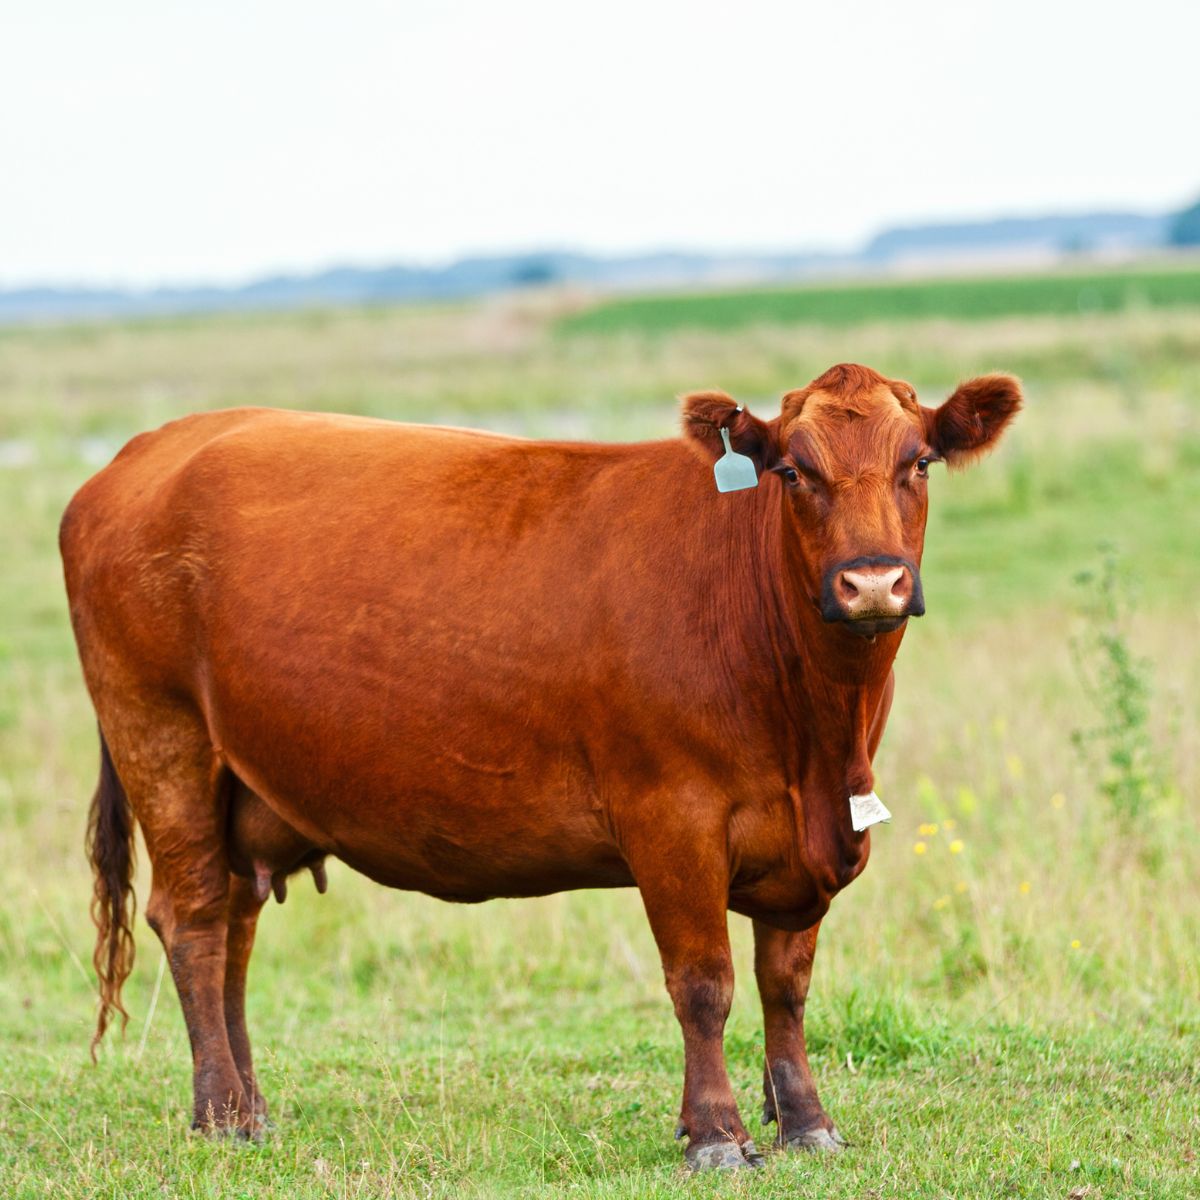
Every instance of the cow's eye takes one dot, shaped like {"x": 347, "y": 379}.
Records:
{"x": 791, "y": 474}
{"x": 923, "y": 466}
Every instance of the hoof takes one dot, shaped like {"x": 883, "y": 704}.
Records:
{"x": 261, "y": 1131}
{"x": 817, "y": 1138}
{"x": 251, "y": 1129}
{"x": 723, "y": 1156}
{"x": 752, "y": 1156}
{"x": 228, "y": 1133}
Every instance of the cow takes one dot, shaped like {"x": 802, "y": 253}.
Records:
{"x": 475, "y": 666}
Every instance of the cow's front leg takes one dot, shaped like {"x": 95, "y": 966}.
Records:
{"x": 686, "y": 903}
{"x": 783, "y": 966}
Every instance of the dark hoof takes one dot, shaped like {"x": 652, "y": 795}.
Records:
{"x": 253, "y": 1130}
{"x": 232, "y": 1133}
{"x": 263, "y": 1128}
{"x": 752, "y": 1156}
{"x": 817, "y": 1138}
{"x": 723, "y": 1156}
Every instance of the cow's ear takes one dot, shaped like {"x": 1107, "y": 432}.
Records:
{"x": 970, "y": 423}
{"x": 705, "y": 414}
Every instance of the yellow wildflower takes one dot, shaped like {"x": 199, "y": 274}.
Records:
{"x": 1016, "y": 768}
{"x": 960, "y": 886}
{"x": 920, "y": 848}
{"x": 928, "y": 830}
{"x": 941, "y": 902}
{"x": 949, "y": 823}
{"x": 1057, "y": 800}
{"x": 956, "y": 846}
{"x": 1075, "y": 943}
{"x": 1026, "y": 887}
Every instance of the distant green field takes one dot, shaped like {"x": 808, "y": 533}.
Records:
{"x": 974, "y": 299}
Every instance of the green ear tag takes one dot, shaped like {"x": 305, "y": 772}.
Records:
{"x": 734, "y": 471}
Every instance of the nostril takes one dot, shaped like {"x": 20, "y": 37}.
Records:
{"x": 901, "y": 586}
{"x": 848, "y": 588}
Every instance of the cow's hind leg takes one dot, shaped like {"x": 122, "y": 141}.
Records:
{"x": 176, "y": 789}
{"x": 783, "y": 966}
{"x": 244, "y": 907}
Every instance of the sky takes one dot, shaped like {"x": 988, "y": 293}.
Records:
{"x": 151, "y": 141}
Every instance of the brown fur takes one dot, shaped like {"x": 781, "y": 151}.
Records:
{"x": 478, "y": 666}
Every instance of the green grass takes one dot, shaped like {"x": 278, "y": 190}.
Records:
{"x": 974, "y": 299}
{"x": 510, "y": 1071}
{"x": 961, "y": 1039}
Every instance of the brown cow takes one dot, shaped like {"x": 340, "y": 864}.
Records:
{"x": 478, "y": 666}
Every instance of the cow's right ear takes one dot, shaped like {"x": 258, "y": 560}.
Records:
{"x": 970, "y": 423}
{"x": 705, "y": 414}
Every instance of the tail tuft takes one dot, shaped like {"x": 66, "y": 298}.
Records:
{"x": 110, "y": 849}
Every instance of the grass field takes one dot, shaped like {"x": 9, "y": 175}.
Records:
{"x": 1012, "y": 1011}
{"x": 1065, "y": 293}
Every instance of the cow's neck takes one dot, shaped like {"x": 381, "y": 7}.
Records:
{"x": 831, "y": 683}
{"x": 812, "y": 691}
{"x": 830, "y": 704}
{"x": 816, "y": 688}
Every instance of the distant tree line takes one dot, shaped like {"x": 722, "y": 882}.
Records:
{"x": 1185, "y": 227}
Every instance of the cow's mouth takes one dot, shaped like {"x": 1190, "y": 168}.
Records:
{"x": 870, "y": 627}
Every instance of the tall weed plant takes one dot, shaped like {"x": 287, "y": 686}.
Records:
{"x": 1117, "y": 686}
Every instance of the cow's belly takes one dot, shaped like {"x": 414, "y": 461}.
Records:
{"x": 456, "y": 873}
{"x": 459, "y": 818}
{"x": 466, "y": 845}
{"x": 478, "y": 843}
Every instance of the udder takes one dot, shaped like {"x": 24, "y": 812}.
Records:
{"x": 263, "y": 847}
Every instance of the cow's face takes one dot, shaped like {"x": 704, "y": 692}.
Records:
{"x": 850, "y": 455}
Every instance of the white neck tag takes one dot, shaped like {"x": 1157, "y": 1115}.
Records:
{"x": 866, "y": 811}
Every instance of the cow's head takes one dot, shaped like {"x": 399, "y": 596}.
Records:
{"x": 850, "y": 455}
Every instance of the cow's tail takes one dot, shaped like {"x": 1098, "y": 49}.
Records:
{"x": 110, "y": 849}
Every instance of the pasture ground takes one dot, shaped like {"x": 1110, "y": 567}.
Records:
{"x": 1010, "y": 1011}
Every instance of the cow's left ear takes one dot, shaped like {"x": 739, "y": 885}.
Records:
{"x": 705, "y": 414}
{"x": 970, "y": 423}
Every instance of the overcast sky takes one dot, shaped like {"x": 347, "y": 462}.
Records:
{"x": 150, "y": 140}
